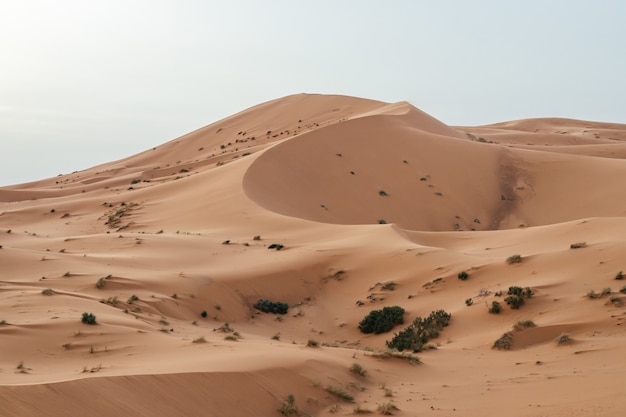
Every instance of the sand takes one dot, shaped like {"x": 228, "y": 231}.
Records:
{"x": 167, "y": 246}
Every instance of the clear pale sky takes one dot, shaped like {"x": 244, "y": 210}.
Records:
{"x": 88, "y": 82}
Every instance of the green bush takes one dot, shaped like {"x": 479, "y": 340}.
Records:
{"x": 268, "y": 306}
{"x": 514, "y": 259}
{"x": 515, "y": 301}
{"x": 419, "y": 332}
{"x": 495, "y": 308}
{"x": 88, "y": 318}
{"x": 381, "y": 321}
{"x": 463, "y": 275}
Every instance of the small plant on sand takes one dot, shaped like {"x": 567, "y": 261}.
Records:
{"x": 358, "y": 409}
{"x": 276, "y": 336}
{"x": 462, "y": 275}
{"x": 523, "y": 324}
{"x": 382, "y": 221}
{"x": 382, "y": 193}
{"x": 200, "y": 339}
{"x": 381, "y": 321}
{"x": 420, "y": 331}
{"x": 514, "y": 259}
{"x": 387, "y": 408}
{"x": 276, "y": 246}
{"x": 88, "y": 318}
{"x": 578, "y": 245}
{"x": 21, "y": 368}
{"x": 619, "y": 276}
{"x": 623, "y": 290}
{"x": 288, "y": 406}
{"x": 203, "y": 314}
{"x": 495, "y": 308}
{"x": 389, "y": 285}
{"x": 47, "y": 291}
{"x": 340, "y": 392}
{"x": 132, "y": 299}
{"x": 504, "y": 342}
{"x": 564, "y": 338}
{"x": 312, "y": 343}
{"x": 392, "y": 353}
{"x": 358, "y": 369}
{"x": 268, "y": 306}
{"x": 469, "y": 302}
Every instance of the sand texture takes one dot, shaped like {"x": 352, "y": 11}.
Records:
{"x": 371, "y": 205}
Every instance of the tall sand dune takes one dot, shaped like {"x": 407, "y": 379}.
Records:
{"x": 334, "y": 207}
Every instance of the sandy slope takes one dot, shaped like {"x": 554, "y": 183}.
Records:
{"x": 149, "y": 242}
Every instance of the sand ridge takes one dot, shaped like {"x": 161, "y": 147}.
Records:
{"x": 374, "y": 205}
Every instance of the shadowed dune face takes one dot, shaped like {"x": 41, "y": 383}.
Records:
{"x": 412, "y": 172}
{"x": 171, "y": 249}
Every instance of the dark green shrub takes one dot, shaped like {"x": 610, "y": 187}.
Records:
{"x": 276, "y": 246}
{"x": 88, "y": 318}
{"x": 381, "y": 321}
{"x": 515, "y": 301}
{"x": 495, "y": 308}
{"x": 268, "y": 306}
{"x": 469, "y": 302}
{"x": 419, "y": 332}
{"x": 619, "y": 275}
{"x": 463, "y": 275}
{"x": 203, "y": 314}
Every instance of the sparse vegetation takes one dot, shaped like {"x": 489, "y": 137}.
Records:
{"x": 420, "y": 331}
{"x": 387, "y": 408}
{"x": 288, "y": 407}
{"x": 47, "y": 291}
{"x": 469, "y": 302}
{"x": 268, "y": 306}
{"x": 312, "y": 343}
{"x": 578, "y": 245}
{"x": 504, "y": 342}
{"x": 463, "y": 275}
{"x": 340, "y": 392}
{"x": 514, "y": 259}
{"x": 200, "y": 339}
{"x": 524, "y": 324}
{"x": 381, "y": 321}
{"x": 276, "y": 336}
{"x": 276, "y": 246}
{"x": 358, "y": 369}
{"x": 517, "y": 295}
{"x": 392, "y": 353}
{"x": 383, "y": 193}
{"x": 203, "y": 314}
{"x": 88, "y": 318}
{"x": 563, "y": 339}
{"x": 389, "y": 285}
{"x": 495, "y": 308}
{"x": 132, "y": 299}
{"x": 619, "y": 276}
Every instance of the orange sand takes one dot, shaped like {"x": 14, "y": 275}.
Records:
{"x": 175, "y": 226}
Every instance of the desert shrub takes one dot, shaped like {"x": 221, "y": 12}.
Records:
{"x": 340, "y": 392}
{"x": 203, "y": 314}
{"x": 469, "y": 302}
{"x": 88, "y": 318}
{"x": 382, "y": 221}
{"x": 623, "y": 290}
{"x": 619, "y": 275}
{"x": 381, "y": 321}
{"x": 524, "y": 324}
{"x": 312, "y": 343}
{"x": 504, "y": 342}
{"x": 389, "y": 285}
{"x": 578, "y": 245}
{"x": 563, "y": 339}
{"x": 276, "y": 246}
{"x": 514, "y": 259}
{"x": 358, "y": 369}
{"x": 495, "y": 308}
{"x": 268, "y": 306}
{"x": 288, "y": 407}
{"x": 463, "y": 275}
{"x": 387, "y": 408}
{"x": 132, "y": 299}
{"x": 515, "y": 301}
{"x": 419, "y": 332}
{"x": 383, "y": 193}
{"x": 47, "y": 291}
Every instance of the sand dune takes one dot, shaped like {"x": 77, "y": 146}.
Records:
{"x": 374, "y": 205}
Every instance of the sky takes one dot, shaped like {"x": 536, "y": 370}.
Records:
{"x": 88, "y": 82}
